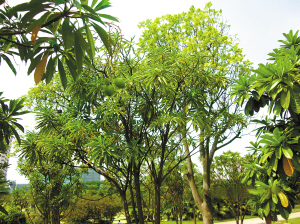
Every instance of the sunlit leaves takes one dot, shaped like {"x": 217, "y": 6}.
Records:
{"x": 55, "y": 20}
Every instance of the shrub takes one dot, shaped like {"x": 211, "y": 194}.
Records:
{"x": 93, "y": 207}
{"x": 14, "y": 216}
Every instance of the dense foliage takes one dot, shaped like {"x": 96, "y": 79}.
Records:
{"x": 276, "y": 169}
{"x": 49, "y": 33}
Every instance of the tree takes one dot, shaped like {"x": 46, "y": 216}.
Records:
{"x": 9, "y": 113}
{"x": 144, "y": 123}
{"x": 206, "y": 58}
{"x": 52, "y": 185}
{"x": 227, "y": 174}
{"x": 63, "y": 31}
{"x": 276, "y": 84}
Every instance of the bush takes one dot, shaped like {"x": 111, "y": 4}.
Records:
{"x": 14, "y": 216}
{"x": 102, "y": 210}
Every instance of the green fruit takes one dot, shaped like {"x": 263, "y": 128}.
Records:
{"x": 109, "y": 90}
{"x": 106, "y": 81}
{"x": 119, "y": 83}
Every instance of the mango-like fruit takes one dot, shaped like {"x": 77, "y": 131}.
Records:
{"x": 109, "y": 90}
{"x": 120, "y": 83}
{"x": 106, "y": 81}
{"x": 283, "y": 199}
{"x": 288, "y": 166}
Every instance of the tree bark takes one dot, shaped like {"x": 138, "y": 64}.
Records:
{"x": 125, "y": 205}
{"x": 136, "y": 174}
{"x": 190, "y": 175}
{"x": 268, "y": 219}
{"x": 157, "y": 202}
{"x": 133, "y": 203}
{"x": 207, "y": 204}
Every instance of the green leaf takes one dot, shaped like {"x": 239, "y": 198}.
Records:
{"x": 2, "y": 209}
{"x": 274, "y": 198}
{"x": 78, "y": 54}
{"x": 94, "y": 3}
{"x": 32, "y": 13}
{"x": 104, "y": 37}
{"x": 278, "y": 152}
{"x": 89, "y": 9}
{"x": 67, "y": 34}
{"x": 267, "y": 209}
{"x": 90, "y": 41}
{"x": 285, "y": 99}
{"x": 108, "y": 17}
{"x": 287, "y": 152}
{"x": 7, "y": 60}
{"x": 283, "y": 212}
{"x": 56, "y": 25}
{"x": 50, "y": 70}
{"x": 34, "y": 63}
{"x": 57, "y": 2}
{"x": 43, "y": 18}
{"x": 103, "y": 4}
{"x": 62, "y": 73}
{"x": 72, "y": 67}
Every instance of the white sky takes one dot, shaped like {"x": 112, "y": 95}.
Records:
{"x": 259, "y": 25}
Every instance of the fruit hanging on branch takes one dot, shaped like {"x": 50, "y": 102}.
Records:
{"x": 288, "y": 166}
{"x": 120, "y": 83}
{"x": 109, "y": 90}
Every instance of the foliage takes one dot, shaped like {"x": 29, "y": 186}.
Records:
{"x": 141, "y": 125}
{"x": 53, "y": 187}
{"x": 14, "y": 215}
{"x": 227, "y": 175}
{"x": 9, "y": 112}
{"x": 49, "y": 33}
{"x": 275, "y": 84}
{"x": 94, "y": 207}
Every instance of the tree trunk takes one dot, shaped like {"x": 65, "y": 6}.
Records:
{"x": 55, "y": 218}
{"x": 55, "y": 215}
{"x": 207, "y": 204}
{"x": 190, "y": 175}
{"x": 194, "y": 215}
{"x": 157, "y": 202}
{"x": 268, "y": 219}
{"x": 125, "y": 205}
{"x": 136, "y": 174}
{"x": 133, "y": 203}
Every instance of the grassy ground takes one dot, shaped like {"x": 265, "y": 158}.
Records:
{"x": 122, "y": 218}
{"x": 292, "y": 221}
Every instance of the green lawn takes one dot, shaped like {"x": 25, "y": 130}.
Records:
{"x": 292, "y": 221}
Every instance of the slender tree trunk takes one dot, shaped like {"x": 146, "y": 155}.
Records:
{"x": 194, "y": 215}
{"x": 241, "y": 214}
{"x": 207, "y": 204}
{"x": 55, "y": 215}
{"x": 136, "y": 173}
{"x": 133, "y": 203}
{"x": 157, "y": 202}
{"x": 190, "y": 175}
{"x": 268, "y": 219}
{"x": 125, "y": 206}
{"x": 55, "y": 218}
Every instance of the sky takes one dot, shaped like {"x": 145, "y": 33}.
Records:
{"x": 258, "y": 24}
